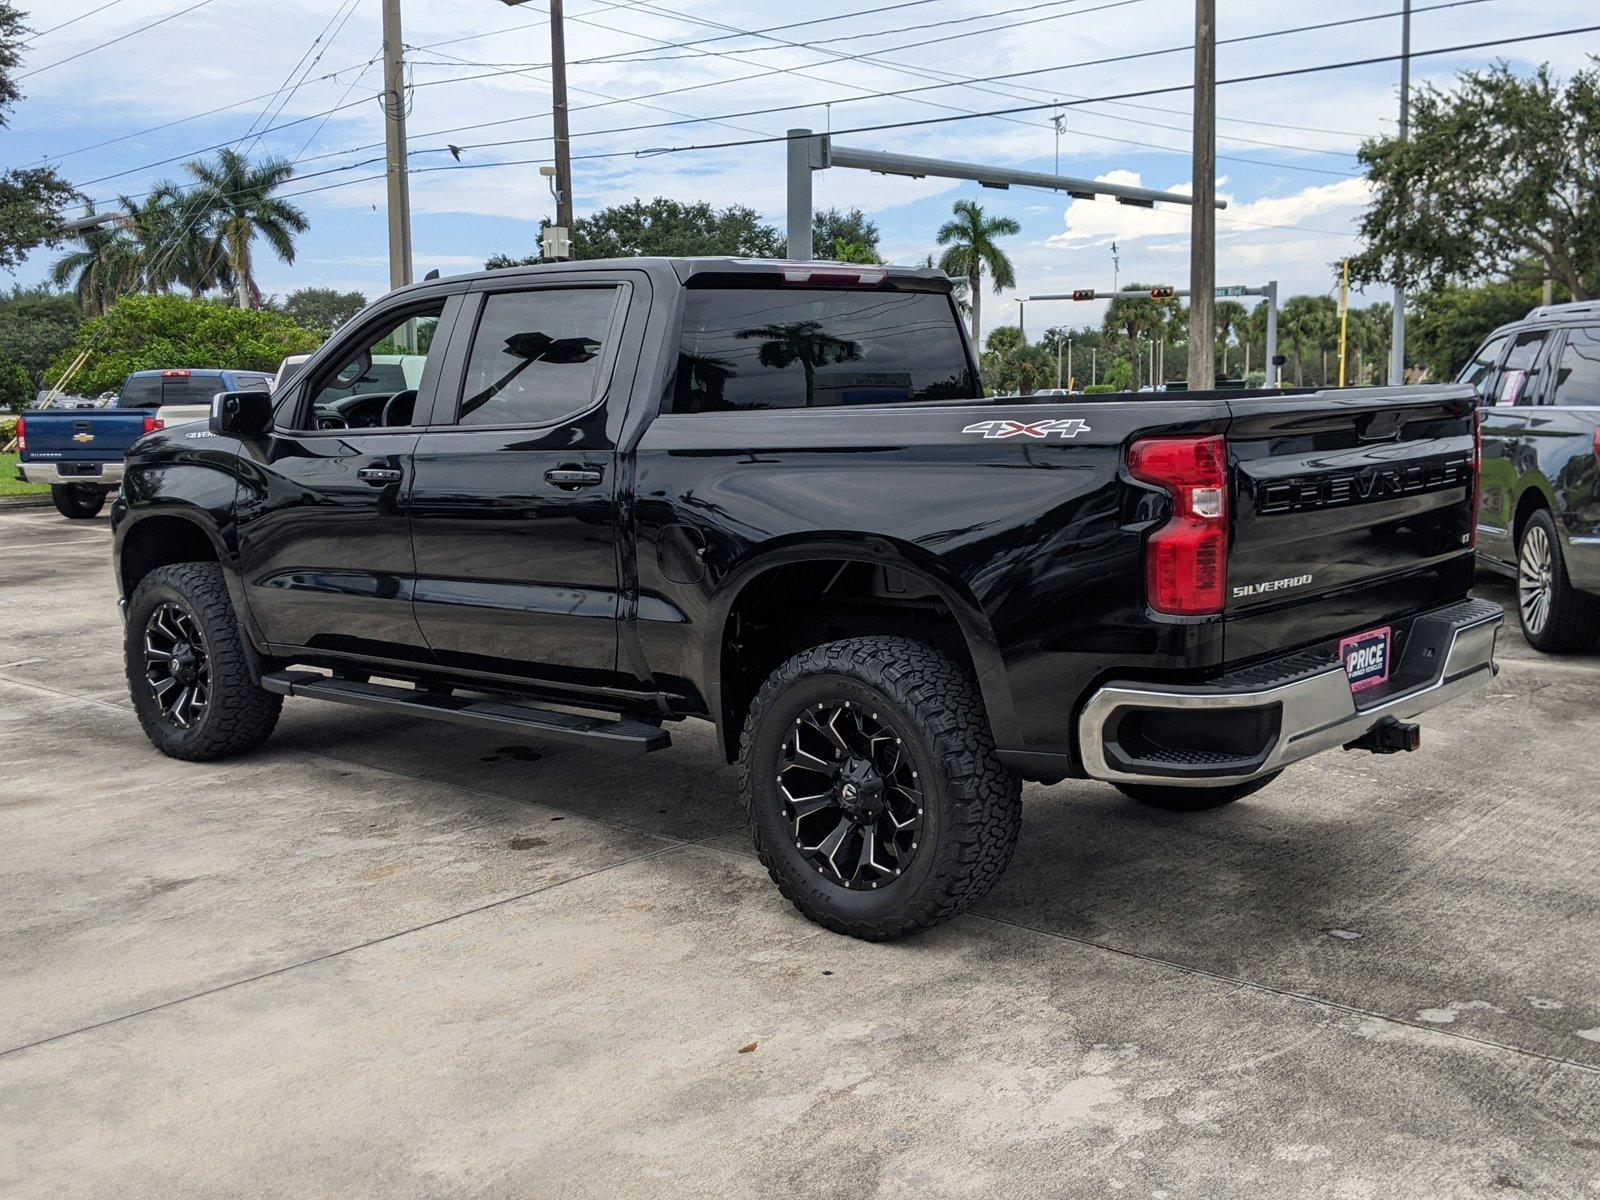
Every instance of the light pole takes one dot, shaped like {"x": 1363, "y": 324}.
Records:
{"x": 558, "y": 237}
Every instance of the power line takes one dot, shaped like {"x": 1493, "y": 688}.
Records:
{"x": 113, "y": 41}
{"x": 73, "y": 21}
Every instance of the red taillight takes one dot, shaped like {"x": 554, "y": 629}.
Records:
{"x": 1186, "y": 560}
{"x": 151, "y": 424}
{"x": 178, "y": 374}
{"x": 22, "y": 435}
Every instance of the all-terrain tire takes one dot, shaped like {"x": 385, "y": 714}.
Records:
{"x": 1192, "y": 799}
{"x": 1556, "y": 617}
{"x": 77, "y": 501}
{"x": 238, "y": 715}
{"x": 971, "y": 806}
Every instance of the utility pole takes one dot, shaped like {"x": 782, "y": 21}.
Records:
{"x": 1022, "y": 320}
{"x": 1058, "y": 120}
{"x": 1203, "y": 213}
{"x": 394, "y": 111}
{"x": 1397, "y": 339}
{"x": 1116, "y": 268}
{"x": 558, "y": 96}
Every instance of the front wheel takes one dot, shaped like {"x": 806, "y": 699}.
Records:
{"x": 188, "y": 670}
{"x": 869, "y": 774}
{"x": 1192, "y": 799}
{"x": 1556, "y": 617}
{"x": 77, "y": 501}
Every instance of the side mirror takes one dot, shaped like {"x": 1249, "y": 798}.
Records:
{"x": 241, "y": 414}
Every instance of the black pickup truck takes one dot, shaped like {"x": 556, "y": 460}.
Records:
{"x": 1538, "y": 381}
{"x": 773, "y": 496}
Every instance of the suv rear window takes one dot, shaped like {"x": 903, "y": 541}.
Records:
{"x": 763, "y": 348}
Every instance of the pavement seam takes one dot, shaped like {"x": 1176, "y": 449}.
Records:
{"x": 343, "y": 950}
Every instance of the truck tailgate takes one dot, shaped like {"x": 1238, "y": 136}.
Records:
{"x": 1349, "y": 510}
{"x": 82, "y": 435}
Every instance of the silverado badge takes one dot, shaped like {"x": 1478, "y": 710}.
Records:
{"x": 1069, "y": 427}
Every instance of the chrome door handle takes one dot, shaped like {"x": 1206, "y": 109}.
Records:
{"x": 379, "y": 474}
{"x": 573, "y": 477}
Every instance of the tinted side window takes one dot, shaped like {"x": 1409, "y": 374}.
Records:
{"x": 536, "y": 355}
{"x": 1578, "y": 374}
{"x": 1519, "y": 379}
{"x": 1480, "y": 371}
{"x": 760, "y": 348}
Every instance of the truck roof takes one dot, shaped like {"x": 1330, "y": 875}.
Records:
{"x": 687, "y": 267}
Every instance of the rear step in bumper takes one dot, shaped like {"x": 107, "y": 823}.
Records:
{"x": 1278, "y": 713}
{"x": 550, "y": 724}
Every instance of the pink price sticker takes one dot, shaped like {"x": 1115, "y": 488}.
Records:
{"x": 1366, "y": 658}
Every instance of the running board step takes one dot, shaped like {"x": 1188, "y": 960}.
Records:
{"x": 557, "y": 726}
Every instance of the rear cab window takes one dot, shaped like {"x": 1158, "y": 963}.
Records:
{"x": 746, "y": 348}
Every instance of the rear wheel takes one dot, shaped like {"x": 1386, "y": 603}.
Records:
{"x": 1556, "y": 617}
{"x": 78, "y": 501}
{"x": 870, "y": 777}
{"x": 1192, "y": 799}
{"x": 188, "y": 671}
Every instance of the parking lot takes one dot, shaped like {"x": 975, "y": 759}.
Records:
{"x": 393, "y": 958}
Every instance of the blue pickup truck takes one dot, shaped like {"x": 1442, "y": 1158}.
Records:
{"x": 79, "y": 452}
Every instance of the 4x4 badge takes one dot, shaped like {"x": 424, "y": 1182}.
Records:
{"x": 1069, "y": 427}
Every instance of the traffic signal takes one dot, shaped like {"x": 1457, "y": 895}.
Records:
{"x": 1083, "y": 294}
{"x": 1163, "y": 293}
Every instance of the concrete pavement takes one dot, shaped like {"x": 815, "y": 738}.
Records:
{"x": 404, "y": 959}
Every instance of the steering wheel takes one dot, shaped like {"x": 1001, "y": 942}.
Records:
{"x": 399, "y": 409}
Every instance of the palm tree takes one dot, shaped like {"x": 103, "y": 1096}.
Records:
{"x": 970, "y": 238}
{"x": 1134, "y": 317}
{"x": 1304, "y": 326}
{"x": 803, "y": 342}
{"x": 239, "y": 206}
{"x": 105, "y": 266}
{"x": 1230, "y": 317}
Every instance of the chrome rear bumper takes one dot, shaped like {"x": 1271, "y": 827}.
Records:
{"x": 1303, "y": 704}
{"x": 48, "y": 472}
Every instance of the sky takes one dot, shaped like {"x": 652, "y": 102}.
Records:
{"x": 118, "y": 119}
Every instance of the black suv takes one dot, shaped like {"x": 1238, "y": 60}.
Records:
{"x": 1538, "y": 385}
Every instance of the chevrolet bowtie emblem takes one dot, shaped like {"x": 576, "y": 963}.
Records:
{"x": 83, "y": 437}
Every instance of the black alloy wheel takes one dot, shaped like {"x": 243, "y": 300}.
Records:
{"x": 851, "y": 796}
{"x": 177, "y": 667}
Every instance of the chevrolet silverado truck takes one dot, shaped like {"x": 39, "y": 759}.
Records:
{"x": 79, "y": 452}
{"x": 1538, "y": 382}
{"x": 773, "y": 496}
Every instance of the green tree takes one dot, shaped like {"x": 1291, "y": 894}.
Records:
{"x": 1307, "y": 325}
{"x": 319, "y": 309}
{"x": 106, "y": 264}
{"x": 1230, "y": 317}
{"x": 35, "y": 326}
{"x": 1134, "y": 319}
{"x": 1499, "y": 168}
{"x": 31, "y": 198}
{"x": 664, "y": 227}
{"x": 236, "y": 198}
{"x": 16, "y": 389}
{"x": 854, "y": 228}
{"x": 1011, "y": 367}
{"x": 153, "y": 332}
{"x": 970, "y": 237}
{"x": 1443, "y": 328}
